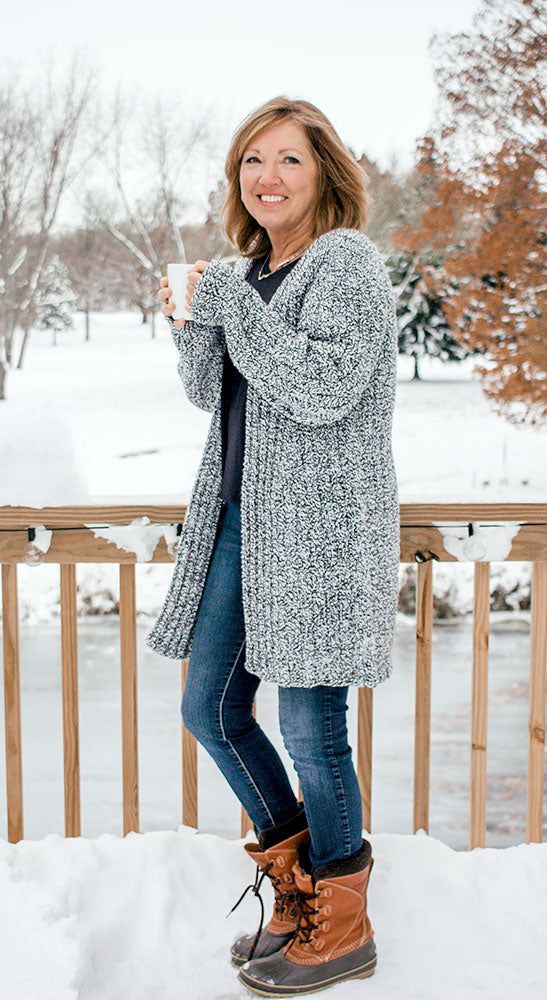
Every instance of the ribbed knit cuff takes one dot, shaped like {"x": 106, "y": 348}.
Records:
{"x": 212, "y": 290}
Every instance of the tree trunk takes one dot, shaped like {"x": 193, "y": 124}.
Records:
{"x": 416, "y": 371}
{"x": 153, "y": 324}
{"x": 3, "y": 379}
{"x": 26, "y": 338}
{"x": 87, "y": 335}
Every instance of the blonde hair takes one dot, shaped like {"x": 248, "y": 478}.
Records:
{"x": 342, "y": 184}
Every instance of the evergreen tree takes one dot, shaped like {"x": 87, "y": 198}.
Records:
{"x": 55, "y": 299}
{"x": 422, "y": 324}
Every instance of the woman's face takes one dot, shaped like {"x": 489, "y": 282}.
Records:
{"x": 279, "y": 161}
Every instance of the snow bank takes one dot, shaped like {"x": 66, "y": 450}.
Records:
{"x": 120, "y": 429}
{"x": 144, "y": 917}
{"x": 39, "y": 462}
{"x": 98, "y": 588}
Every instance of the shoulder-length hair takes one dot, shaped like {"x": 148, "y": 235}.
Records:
{"x": 342, "y": 185}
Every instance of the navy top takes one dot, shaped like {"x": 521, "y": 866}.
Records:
{"x": 234, "y": 392}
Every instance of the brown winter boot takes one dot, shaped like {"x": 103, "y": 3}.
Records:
{"x": 275, "y": 854}
{"x": 334, "y": 938}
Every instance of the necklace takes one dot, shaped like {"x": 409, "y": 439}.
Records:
{"x": 282, "y": 264}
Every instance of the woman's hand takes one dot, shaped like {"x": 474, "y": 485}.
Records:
{"x": 164, "y": 293}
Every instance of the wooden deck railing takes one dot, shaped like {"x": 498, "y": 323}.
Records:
{"x": 421, "y": 542}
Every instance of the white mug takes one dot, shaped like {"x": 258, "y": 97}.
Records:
{"x": 177, "y": 277}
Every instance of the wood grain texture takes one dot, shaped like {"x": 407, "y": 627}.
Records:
{"x": 69, "y": 689}
{"x": 12, "y": 704}
{"x": 479, "y": 704}
{"x": 536, "y": 719}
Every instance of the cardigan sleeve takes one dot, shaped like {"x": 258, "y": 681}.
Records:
{"x": 201, "y": 360}
{"x": 316, "y": 371}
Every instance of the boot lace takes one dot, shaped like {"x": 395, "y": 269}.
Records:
{"x": 307, "y": 923}
{"x": 286, "y": 900}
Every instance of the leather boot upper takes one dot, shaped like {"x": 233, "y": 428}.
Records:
{"x": 333, "y": 915}
{"x": 279, "y": 859}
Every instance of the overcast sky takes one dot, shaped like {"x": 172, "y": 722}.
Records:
{"x": 365, "y": 64}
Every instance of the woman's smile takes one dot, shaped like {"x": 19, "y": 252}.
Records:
{"x": 279, "y": 199}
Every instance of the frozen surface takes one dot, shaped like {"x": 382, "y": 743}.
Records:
{"x": 145, "y": 917}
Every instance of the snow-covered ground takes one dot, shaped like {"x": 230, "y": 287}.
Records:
{"x": 108, "y": 420}
{"x": 145, "y": 918}
{"x": 116, "y": 409}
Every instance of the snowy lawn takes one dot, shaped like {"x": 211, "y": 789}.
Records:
{"x": 144, "y": 918}
{"x": 110, "y": 417}
{"x": 108, "y": 421}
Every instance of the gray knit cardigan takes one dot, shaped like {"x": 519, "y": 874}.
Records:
{"x": 319, "y": 494}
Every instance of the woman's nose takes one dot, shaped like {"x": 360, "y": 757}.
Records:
{"x": 270, "y": 176}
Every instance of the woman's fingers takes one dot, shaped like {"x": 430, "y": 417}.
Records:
{"x": 168, "y": 310}
{"x": 164, "y": 293}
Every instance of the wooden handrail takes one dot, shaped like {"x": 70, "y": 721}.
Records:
{"x": 421, "y": 539}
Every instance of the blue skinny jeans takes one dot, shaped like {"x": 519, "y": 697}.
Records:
{"x": 217, "y": 708}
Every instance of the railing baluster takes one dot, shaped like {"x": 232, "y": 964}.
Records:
{"x": 479, "y": 699}
{"x": 128, "y": 661}
{"x": 73, "y": 542}
{"x": 69, "y": 671}
{"x": 536, "y": 721}
{"x": 422, "y": 719}
{"x": 12, "y": 703}
{"x": 364, "y": 751}
{"x": 189, "y": 766}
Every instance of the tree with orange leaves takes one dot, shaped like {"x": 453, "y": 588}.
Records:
{"x": 483, "y": 170}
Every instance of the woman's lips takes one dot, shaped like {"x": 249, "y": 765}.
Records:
{"x": 271, "y": 202}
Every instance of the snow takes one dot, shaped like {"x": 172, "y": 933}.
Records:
{"x": 145, "y": 917}
{"x": 107, "y": 421}
{"x": 139, "y": 536}
{"x": 487, "y": 543}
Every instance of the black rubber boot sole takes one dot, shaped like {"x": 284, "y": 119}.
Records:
{"x": 275, "y": 976}
{"x": 267, "y": 945}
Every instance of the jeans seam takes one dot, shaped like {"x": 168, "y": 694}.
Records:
{"x": 231, "y": 745}
{"x": 338, "y": 776}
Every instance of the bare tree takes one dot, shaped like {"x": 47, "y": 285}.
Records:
{"x": 61, "y": 110}
{"x": 491, "y": 86}
{"x": 39, "y": 129}
{"x": 149, "y": 166}
{"x": 87, "y": 252}
{"x": 17, "y": 127}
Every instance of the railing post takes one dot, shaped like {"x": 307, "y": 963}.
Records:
{"x": 536, "y": 720}
{"x": 479, "y": 699}
{"x": 189, "y": 766}
{"x": 69, "y": 671}
{"x": 422, "y": 718}
{"x": 12, "y": 703}
{"x": 364, "y": 752}
{"x": 128, "y": 662}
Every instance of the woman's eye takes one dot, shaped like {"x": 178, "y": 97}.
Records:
{"x": 249, "y": 158}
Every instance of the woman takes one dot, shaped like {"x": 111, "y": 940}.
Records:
{"x": 287, "y": 568}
